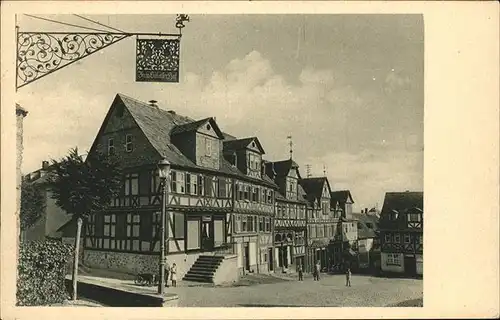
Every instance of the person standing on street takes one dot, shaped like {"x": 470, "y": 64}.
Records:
{"x": 167, "y": 273}
{"x": 348, "y": 277}
{"x": 301, "y": 274}
{"x": 173, "y": 277}
{"x": 318, "y": 270}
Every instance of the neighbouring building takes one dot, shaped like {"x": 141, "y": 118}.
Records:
{"x": 53, "y": 217}
{"x": 321, "y": 222}
{"x": 368, "y": 255}
{"x": 401, "y": 233}
{"x": 290, "y": 216}
{"x": 344, "y": 246}
{"x": 220, "y": 200}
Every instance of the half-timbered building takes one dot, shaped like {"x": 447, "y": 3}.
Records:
{"x": 211, "y": 198}
{"x": 253, "y": 205}
{"x": 321, "y": 221}
{"x": 401, "y": 233}
{"x": 290, "y": 216}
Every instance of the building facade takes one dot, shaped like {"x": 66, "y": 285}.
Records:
{"x": 401, "y": 233}
{"x": 218, "y": 200}
{"x": 290, "y": 216}
{"x": 321, "y": 222}
{"x": 368, "y": 255}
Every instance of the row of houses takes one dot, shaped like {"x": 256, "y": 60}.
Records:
{"x": 223, "y": 200}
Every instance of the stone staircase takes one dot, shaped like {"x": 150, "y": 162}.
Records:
{"x": 204, "y": 268}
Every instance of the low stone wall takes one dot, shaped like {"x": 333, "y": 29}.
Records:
{"x": 135, "y": 263}
{"x": 113, "y": 297}
{"x": 227, "y": 271}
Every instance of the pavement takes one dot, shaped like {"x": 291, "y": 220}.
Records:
{"x": 280, "y": 290}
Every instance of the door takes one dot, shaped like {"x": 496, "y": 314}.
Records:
{"x": 271, "y": 260}
{"x": 246, "y": 256}
{"x": 207, "y": 235}
{"x": 410, "y": 266}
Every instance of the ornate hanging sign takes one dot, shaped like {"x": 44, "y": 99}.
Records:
{"x": 157, "y": 60}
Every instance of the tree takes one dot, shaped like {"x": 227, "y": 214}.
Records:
{"x": 84, "y": 187}
{"x": 32, "y": 205}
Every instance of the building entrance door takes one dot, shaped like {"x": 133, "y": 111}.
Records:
{"x": 207, "y": 234}
{"x": 246, "y": 256}
{"x": 271, "y": 259}
{"x": 410, "y": 266}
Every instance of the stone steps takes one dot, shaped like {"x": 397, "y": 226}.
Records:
{"x": 204, "y": 269}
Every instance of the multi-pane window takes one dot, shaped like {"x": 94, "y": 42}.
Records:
{"x": 261, "y": 224}
{"x": 244, "y": 223}
{"x": 201, "y": 189}
{"x": 269, "y": 196}
{"x": 407, "y": 238}
{"x": 397, "y": 238}
{"x": 264, "y": 193}
{"x": 255, "y": 194}
{"x": 128, "y": 143}
{"x": 247, "y": 192}
{"x": 111, "y": 146}
{"x": 413, "y": 217}
{"x": 215, "y": 186}
{"x": 177, "y": 182}
{"x": 387, "y": 238}
{"x": 268, "y": 224}
{"x": 421, "y": 239}
{"x": 393, "y": 259}
{"x": 237, "y": 223}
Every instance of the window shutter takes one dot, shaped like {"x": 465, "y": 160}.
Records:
{"x": 208, "y": 186}
{"x": 99, "y": 225}
{"x": 121, "y": 226}
{"x": 146, "y": 225}
{"x": 222, "y": 187}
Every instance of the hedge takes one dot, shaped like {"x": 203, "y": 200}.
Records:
{"x": 41, "y": 272}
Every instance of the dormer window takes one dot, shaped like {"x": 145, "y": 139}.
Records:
{"x": 111, "y": 146}
{"x": 128, "y": 142}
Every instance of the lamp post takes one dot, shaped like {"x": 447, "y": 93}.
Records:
{"x": 163, "y": 172}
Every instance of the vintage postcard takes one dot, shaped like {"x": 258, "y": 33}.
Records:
{"x": 249, "y": 160}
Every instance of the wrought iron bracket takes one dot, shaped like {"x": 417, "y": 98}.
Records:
{"x": 42, "y": 53}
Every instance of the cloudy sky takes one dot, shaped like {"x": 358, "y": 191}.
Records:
{"x": 347, "y": 88}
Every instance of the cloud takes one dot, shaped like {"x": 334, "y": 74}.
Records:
{"x": 331, "y": 124}
{"x": 395, "y": 81}
{"x": 371, "y": 173}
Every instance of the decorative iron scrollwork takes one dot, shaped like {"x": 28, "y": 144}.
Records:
{"x": 179, "y": 21}
{"x": 157, "y": 60}
{"x": 40, "y": 54}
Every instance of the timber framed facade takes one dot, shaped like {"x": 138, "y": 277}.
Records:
{"x": 401, "y": 233}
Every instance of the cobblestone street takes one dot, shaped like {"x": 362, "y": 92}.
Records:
{"x": 366, "y": 291}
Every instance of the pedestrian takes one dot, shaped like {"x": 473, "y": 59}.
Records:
{"x": 318, "y": 270}
{"x": 301, "y": 275}
{"x": 348, "y": 277}
{"x": 173, "y": 277}
{"x": 167, "y": 273}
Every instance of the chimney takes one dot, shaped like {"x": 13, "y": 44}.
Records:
{"x": 152, "y": 103}
{"x": 366, "y": 210}
{"x": 45, "y": 165}
{"x": 171, "y": 112}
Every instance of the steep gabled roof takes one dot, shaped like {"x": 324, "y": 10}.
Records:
{"x": 192, "y": 126}
{"x": 313, "y": 187}
{"x": 363, "y": 220}
{"x": 341, "y": 196}
{"x": 283, "y": 167}
{"x": 400, "y": 202}
{"x": 157, "y": 124}
{"x": 239, "y": 144}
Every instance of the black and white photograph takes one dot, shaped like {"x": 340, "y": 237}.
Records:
{"x": 220, "y": 160}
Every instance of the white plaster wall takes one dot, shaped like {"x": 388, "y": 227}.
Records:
{"x": 392, "y": 268}
{"x": 253, "y": 253}
{"x": 420, "y": 264}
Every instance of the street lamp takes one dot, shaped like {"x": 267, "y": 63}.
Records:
{"x": 164, "y": 173}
